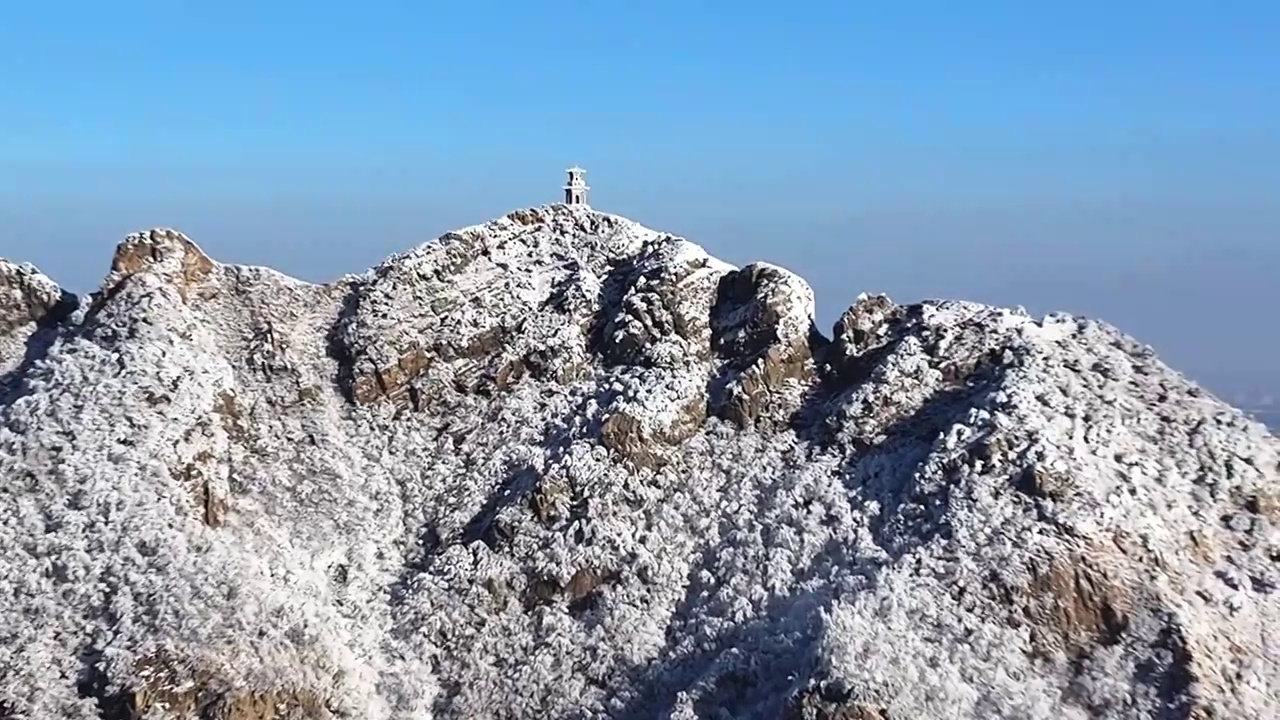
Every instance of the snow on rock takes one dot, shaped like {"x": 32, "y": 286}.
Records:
{"x": 562, "y": 465}
{"x": 31, "y": 306}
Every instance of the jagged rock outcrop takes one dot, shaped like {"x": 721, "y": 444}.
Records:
{"x": 30, "y": 303}
{"x": 562, "y": 465}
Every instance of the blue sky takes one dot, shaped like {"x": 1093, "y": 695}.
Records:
{"x": 1117, "y": 159}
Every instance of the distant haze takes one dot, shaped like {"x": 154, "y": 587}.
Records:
{"x": 1270, "y": 416}
{"x": 1115, "y": 160}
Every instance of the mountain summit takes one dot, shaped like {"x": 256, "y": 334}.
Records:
{"x": 560, "y": 465}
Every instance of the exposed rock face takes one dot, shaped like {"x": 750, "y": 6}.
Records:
{"x": 163, "y": 253}
{"x": 561, "y": 465}
{"x": 30, "y": 306}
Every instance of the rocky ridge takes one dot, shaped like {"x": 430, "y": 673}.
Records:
{"x": 563, "y": 465}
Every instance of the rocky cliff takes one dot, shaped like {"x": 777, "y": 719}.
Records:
{"x": 563, "y": 466}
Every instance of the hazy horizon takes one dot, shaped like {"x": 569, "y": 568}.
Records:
{"x": 1121, "y": 162}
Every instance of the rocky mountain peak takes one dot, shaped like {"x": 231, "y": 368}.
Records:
{"x": 164, "y": 253}
{"x": 29, "y": 304}
{"x": 564, "y": 465}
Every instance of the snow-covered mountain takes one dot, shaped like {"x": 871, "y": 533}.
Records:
{"x": 564, "y": 466}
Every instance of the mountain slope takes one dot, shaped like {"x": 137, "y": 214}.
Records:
{"x": 562, "y": 465}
